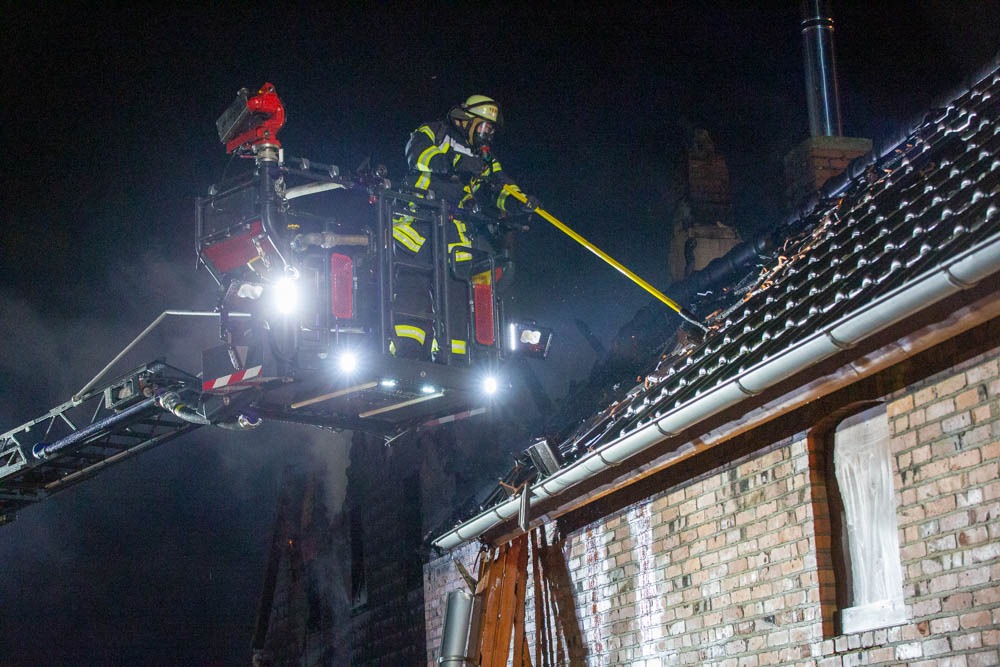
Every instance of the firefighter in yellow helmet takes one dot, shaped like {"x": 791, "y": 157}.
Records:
{"x": 453, "y": 158}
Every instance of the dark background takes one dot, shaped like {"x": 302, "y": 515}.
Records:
{"x": 108, "y": 125}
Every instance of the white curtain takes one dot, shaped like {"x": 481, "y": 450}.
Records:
{"x": 864, "y": 475}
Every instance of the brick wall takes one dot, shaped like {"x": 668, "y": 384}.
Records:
{"x": 731, "y": 568}
{"x": 715, "y": 571}
{"x": 946, "y": 437}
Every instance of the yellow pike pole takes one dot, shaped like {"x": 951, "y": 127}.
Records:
{"x": 561, "y": 226}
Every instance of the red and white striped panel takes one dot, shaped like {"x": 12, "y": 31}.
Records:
{"x": 451, "y": 418}
{"x": 238, "y": 377}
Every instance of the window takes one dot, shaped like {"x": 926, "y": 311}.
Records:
{"x": 865, "y": 529}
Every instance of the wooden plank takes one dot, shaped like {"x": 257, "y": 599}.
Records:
{"x": 541, "y": 635}
{"x": 490, "y": 582}
{"x": 505, "y": 617}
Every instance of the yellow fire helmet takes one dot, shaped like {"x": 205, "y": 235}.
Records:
{"x": 483, "y": 107}
{"x": 478, "y": 106}
{"x": 479, "y": 117}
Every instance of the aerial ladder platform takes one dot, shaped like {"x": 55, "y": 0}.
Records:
{"x": 306, "y": 306}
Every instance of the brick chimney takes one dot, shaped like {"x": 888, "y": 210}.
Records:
{"x": 702, "y": 225}
{"x": 816, "y": 160}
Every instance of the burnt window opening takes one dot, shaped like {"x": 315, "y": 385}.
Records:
{"x": 411, "y": 534}
{"x": 359, "y": 586}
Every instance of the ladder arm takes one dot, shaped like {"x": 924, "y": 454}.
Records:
{"x": 81, "y": 437}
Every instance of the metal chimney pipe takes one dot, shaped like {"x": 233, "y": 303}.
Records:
{"x": 821, "y": 69}
{"x": 459, "y": 629}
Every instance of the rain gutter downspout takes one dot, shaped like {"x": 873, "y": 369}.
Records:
{"x": 962, "y": 273}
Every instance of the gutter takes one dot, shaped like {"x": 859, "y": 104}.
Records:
{"x": 961, "y": 273}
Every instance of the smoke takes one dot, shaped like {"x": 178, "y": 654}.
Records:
{"x": 164, "y": 553}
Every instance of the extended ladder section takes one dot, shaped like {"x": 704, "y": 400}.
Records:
{"x": 81, "y": 437}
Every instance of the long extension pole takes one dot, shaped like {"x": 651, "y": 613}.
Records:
{"x": 565, "y": 229}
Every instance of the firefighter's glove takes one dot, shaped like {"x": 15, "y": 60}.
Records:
{"x": 531, "y": 204}
{"x": 471, "y": 164}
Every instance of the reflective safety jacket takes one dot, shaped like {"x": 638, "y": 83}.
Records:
{"x": 440, "y": 161}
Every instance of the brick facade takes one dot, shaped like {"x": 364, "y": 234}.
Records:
{"x": 733, "y": 567}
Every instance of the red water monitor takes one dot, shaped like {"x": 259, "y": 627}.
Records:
{"x": 251, "y": 121}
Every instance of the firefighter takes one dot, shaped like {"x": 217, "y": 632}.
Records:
{"x": 452, "y": 158}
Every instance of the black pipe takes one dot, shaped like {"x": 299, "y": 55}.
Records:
{"x": 44, "y": 450}
{"x": 821, "y": 69}
{"x": 723, "y": 270}
{"x": 268, "y": 175}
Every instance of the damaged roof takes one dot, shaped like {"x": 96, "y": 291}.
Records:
{"x": 897, "y": 233}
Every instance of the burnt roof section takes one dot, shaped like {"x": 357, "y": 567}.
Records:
{"x": 891, "y": 220}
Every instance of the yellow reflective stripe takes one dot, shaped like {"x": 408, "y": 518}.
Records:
{"x": 411, "y": 332}
{"x": 457, "y": 346}
{"x": 463, "y": 242}
{"x": 426, "y": 130}
{"x": 425, "y": 157}
{"x": 403, "y": 231}
{"x": 405, "y": 227}
{"x": 405, "y": 241}
{"x": 423, "y": 161}
{"x": 467, "y": 199}
{"x": 423, "y": 180}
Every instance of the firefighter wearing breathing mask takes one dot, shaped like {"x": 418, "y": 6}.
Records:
{"x": 453, "y": 159}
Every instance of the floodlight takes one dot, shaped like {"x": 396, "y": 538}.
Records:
{"x": 490, "y": 385}
{"x": 286, "y": 295}
{"x": 347, "y": 362}
{"x": 249, "y": 291}
{"x": 529, "y": 339}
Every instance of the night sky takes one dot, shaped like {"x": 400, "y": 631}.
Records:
{"x": 110, "y": 120}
